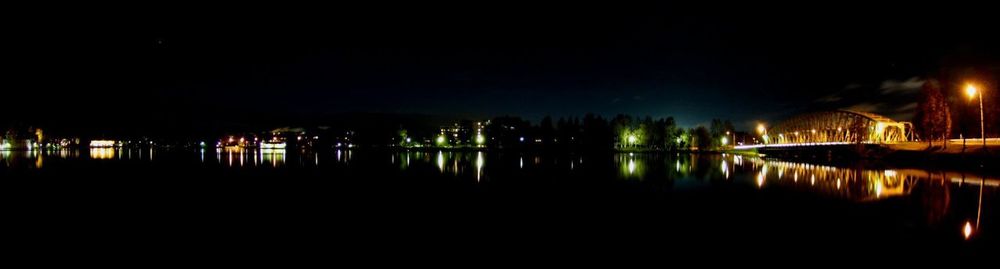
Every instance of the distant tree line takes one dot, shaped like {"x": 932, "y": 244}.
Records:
{"x": 590, "y": 132}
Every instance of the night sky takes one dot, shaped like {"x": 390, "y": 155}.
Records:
{"x": 182, "y": 70}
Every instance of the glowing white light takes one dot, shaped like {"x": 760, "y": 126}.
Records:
{"x": 970, "y": 90}
{"x": 440, "y": 161}
{"x": 272, "y": 145}
{"x": 967, "y": 230}
{"x": 102, "y": 143}
{"x": 479, "y": 165}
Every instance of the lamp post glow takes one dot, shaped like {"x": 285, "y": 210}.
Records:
{"x": 972, "y": 92}
{"x": 967, "y": 230}
{"x": 762, "y": 131}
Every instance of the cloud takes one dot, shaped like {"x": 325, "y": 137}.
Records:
{"x": 830, "y": 98}
{"x": 895, "y": 99}
{"x": 838, "y": 96}
{"x": 907, "y": 107}
{"x": 905, "y": 112}
{"x": 852, "y": 86}
{"x": 866, "y": 107}
{"x": 908, "y": 86}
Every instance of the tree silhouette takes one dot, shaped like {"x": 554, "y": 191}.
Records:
{"x": 933, "y": 114}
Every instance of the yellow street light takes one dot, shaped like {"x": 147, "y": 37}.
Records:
{"x": 762, "y": 131}
{"x": 967, "y": 230}
{"x": 972, "y": 92}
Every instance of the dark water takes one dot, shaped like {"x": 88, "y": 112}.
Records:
{"x": 366, "y": 201}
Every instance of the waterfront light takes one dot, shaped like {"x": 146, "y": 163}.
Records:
{"x": 440, "y": 139}
{"x": 761, "y": 129}
{"x": 972, "y": 92}
{"x": 272, "y": 145}
{"x": 725, "y": 141}
{"x": 102, "y": 143}
{"x": 967, "y": 230}
{"x": 632, "y": 139}
{"x": 480, "y": 139}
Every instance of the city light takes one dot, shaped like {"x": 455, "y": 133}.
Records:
{"x": 440, "y": 139}
{"x": 102, "y": 143}
{"x": 971, "y": 90}
{"x": 632, "y": 139}
{"x": 725, "y": 141}
{"x": 761, "y": 129}
{"x": 272, "y": 145}
{"x": 102, "y": 153}
{"x": 480, "y": 139}
{"x": 967, "y": 230}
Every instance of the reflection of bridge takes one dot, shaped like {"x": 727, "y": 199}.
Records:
{"x": 839, "y": 127}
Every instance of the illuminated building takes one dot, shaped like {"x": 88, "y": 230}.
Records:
{"x": 103, "y": 143}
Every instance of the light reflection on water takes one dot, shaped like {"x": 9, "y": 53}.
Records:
{"x": 936, "y": 190}
{"x": 250, "y": 157}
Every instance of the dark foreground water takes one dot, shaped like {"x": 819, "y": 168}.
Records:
{"x": 380, "y": 206}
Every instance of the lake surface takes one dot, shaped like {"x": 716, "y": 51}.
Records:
{"x": 366, "y": 199}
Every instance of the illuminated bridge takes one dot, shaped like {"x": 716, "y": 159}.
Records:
{"x": 838, "y": 127}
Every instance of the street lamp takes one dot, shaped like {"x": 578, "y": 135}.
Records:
{"x": 972, "y": 91}
{"x": 762, "y": 131}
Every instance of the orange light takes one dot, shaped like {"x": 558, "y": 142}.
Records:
{"x": 967, "y": 230}
{"x": 971, "y": 90}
